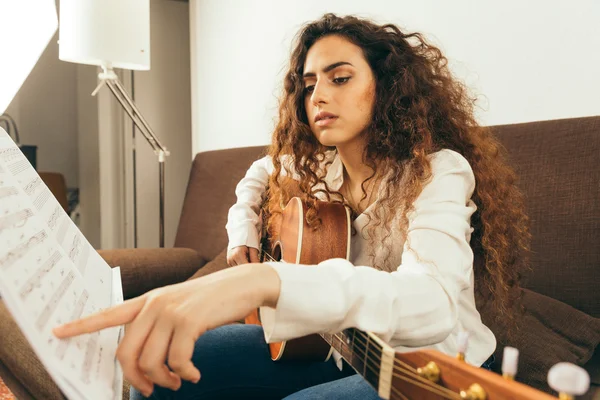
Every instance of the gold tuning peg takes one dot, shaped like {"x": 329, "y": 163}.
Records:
{"x": 431, "y": 372}
{"x": 474, "y": 392}
{"x": 462, "y": 343}
{"x": 569, "y": 380}
{"x": 510, "y": 362}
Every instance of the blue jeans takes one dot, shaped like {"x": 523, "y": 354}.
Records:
{"x": 235, "y": 363}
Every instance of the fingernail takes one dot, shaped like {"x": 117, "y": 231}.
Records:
{"x": 176, "y": 384}
{"x": 197, "y": 379}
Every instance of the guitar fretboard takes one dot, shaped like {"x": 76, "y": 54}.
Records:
{"x": 360, "y": 351}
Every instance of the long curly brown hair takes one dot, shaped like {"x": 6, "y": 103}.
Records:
{"x": 419, "y": 109}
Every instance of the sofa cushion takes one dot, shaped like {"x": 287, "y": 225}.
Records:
{"x": 145, "y": 269}
{"x": 548, "y": 332}
{"x": 217, "y": 264}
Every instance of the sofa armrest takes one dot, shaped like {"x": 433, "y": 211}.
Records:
{"x": 146, "y": 269}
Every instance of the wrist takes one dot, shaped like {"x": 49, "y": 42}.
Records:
{"x": 268, "y": 284}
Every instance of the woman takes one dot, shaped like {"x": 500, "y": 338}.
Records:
{"x": 372, "y": 117}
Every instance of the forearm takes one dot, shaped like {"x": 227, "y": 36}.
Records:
{"x": 267, "y": 279}
{"x": 262, "y": 284}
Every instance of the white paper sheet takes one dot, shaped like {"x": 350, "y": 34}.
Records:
{"x": 50, "y": 274}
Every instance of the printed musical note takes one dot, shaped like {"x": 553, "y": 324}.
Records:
{"x": 7, "y": 191}
{"x": 100, "y": 356}
{"x": 35, "y": 280}
{"x": 76, "y": 314}
{"x": 9, "y": 259}
{"x": 54, "y": 300}
{"x": 15, "y": 219}
{"x": 56, "y": 214}
{"x": 10, "y": 154}
{"x": 32, "y": 186}
{"x": 89, "y": 357}
{"x": 75, "y": 248}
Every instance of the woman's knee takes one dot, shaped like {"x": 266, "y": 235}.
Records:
{"x": 230, "y": 340}
{"x": 219, "y": 354}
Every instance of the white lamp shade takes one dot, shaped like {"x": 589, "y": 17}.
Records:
{"x": 109, "y": 33}
{"x": 25, "y": 29}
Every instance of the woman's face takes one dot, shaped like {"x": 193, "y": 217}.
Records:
{"x": 339, "y": 91}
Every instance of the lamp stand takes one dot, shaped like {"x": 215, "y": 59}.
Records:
{"x": 109, "y": 78}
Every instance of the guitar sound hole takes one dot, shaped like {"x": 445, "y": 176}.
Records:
{"x": 277, "y": 252}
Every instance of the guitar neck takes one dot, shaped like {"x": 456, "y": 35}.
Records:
{"x": 362, "y": 351}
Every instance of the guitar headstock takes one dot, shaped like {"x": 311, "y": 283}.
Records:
{"x": 429, "y": 374}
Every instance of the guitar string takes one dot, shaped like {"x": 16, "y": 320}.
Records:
{"x": 402, "y": 367}
{"x": 453, "y": 396}
{"x": 409, "y": 370}
{"x": 393, "y": 389}
{"x": 424, "y": 382}
{"x": 402, "y": 397}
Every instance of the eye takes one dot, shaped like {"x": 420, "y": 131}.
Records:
{"x": 309, "y": 89}
{"x": 341, "y": 80}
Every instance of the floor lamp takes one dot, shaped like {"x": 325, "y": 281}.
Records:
{"x": 114, "y": 34}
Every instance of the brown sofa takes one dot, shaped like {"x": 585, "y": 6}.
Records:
{"x": 559, "y": 165}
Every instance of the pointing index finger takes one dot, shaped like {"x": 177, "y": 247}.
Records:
{"x": 113, "y": 316}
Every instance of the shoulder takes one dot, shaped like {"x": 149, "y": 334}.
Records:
{"x": 446, "y": 159}
{"x": 450, "y": 171}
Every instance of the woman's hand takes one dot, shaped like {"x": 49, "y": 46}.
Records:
{"x": 165, "y": 323}
{"x": 242, "y": 255}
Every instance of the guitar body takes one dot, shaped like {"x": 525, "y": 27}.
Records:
{"x": 297, "y": 243}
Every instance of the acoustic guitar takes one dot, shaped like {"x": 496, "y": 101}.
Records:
{"x": 422, "y": 374}
{"x": 296, "y": 242}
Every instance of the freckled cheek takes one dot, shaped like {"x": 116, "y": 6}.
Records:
{"x": 364, "y": 105}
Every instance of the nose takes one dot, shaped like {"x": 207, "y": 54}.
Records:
{"x": 320, "y": 94}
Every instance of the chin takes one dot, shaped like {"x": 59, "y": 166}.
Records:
{"x": 331, "y": 138}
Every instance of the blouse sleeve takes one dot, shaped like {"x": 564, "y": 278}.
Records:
{"x": 415, "y": 305}
{"x": 243, "y": 221}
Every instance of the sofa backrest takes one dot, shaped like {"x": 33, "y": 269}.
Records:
{"x": 559, "y": 167}
{"x": 558, "y": 163}
{"x": 210, "y": 194}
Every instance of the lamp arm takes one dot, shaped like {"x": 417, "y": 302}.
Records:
{"x": 111, "y": 79}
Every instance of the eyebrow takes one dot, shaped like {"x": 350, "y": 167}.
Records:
{"x": 327, "y": 69}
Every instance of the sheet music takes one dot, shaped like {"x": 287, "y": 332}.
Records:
{"x": 50, "y": 274}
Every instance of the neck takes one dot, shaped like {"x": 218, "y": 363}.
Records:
{"x": 351, "y": 155}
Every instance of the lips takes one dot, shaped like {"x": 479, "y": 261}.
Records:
{"x": 323, "y": 115}
{"x": 324, "y": 118}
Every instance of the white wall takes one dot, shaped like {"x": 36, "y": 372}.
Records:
{"x": 532, "y": 60}
{"x": 45, "y": 110}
